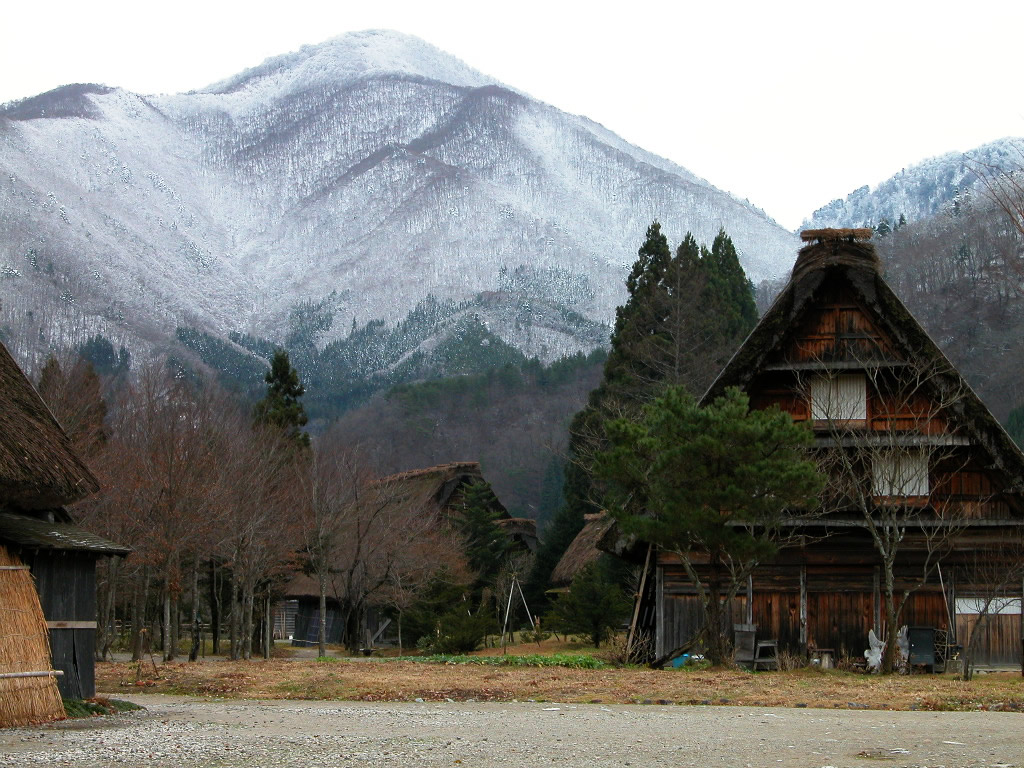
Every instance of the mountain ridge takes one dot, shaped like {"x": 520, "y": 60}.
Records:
{"x": 225, "y": 212}
{"x": 919, "y": 190}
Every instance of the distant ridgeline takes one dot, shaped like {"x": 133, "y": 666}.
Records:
{"x": 436, "y": 339}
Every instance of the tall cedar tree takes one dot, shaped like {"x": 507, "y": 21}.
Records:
{"x": 487, "y": 545}
{"x": 716, "y": 483}
{"x": 683, "y": 318}
{"x": 281, "y": 407}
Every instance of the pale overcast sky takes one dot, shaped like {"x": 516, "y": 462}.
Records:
{"x": 789, "y": 104}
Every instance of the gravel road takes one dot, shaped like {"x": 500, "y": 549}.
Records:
{"x": 177, "y": 731}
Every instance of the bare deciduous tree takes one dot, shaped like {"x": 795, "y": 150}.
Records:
{"x": 331, "y": 487}
{"x": 167, "y": 441}
{"x": 1005, "y": 186}
{"x": 360, "y": 533}
{"x": 258, "y": 523}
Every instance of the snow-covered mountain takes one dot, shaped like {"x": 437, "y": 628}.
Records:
{"x": 361, "y": 175}
{"x": 919, "y": 191}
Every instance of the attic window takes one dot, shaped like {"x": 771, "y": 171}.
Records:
{"x": 900, "y": 473}
{"x": 839, "y": 398}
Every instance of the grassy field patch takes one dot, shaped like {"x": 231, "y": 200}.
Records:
{"x": 569, "y": 680}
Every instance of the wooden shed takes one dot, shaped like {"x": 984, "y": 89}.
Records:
{"x": 39, "y": 474}
{"x": 839, "y": 351}
{"x": 62, "y": 558}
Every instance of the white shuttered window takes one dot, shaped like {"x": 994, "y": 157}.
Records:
{"x": 839, "y": 398}
{"x": 900, "y": 473}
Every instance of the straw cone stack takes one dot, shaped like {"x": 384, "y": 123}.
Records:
{"x": 24, "y": 647}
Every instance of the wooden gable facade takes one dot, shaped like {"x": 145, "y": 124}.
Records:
{"x": 903, "y": 440}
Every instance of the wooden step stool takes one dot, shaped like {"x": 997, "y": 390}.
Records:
{"x": 767, "y": 655}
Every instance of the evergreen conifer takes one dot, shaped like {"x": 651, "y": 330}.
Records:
{"x": 719, "y": 481}
{"x": 594, "y": 605}
{"x": 683, "y": 317}
{"x": 280, "y": 407}
{"x": 487, "y": 545}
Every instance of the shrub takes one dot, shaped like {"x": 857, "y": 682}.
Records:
{"x": 458, "y": 632}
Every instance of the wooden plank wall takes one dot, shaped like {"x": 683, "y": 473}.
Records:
{"x": 841, "y": 606}
{"x": 1000, "y": 644}
{"x": 67, "y": 591}
{"x": 839, "y": 330}
{"x": 683, "y": 616}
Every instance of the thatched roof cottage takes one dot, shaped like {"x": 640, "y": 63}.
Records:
{"x": 39, "y": 474}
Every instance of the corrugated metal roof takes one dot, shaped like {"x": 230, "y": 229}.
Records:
{"x": 33, "y": 533}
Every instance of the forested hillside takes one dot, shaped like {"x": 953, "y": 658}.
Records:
{"x": 514, "y": 420}
{"x": 919, "y": 191}
{"x": 962, "y": 273}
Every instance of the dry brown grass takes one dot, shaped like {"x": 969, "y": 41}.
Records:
{"x": 387, "y": 680}
{"x": 24, "y": 647}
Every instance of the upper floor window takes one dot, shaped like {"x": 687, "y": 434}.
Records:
{"x": 839, "y": 398}
{"x": 900, "y": 472}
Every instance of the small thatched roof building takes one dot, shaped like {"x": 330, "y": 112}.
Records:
{"x": 436, "y": 490}
{"x": 443, "y": 487}
{"x": 39, "y": 474}
{"x": 586, "y": 548}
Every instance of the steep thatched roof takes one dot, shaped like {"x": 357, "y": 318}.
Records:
{"x": 421, "y": 487}
{"x": 850, "y": 235}
{"x": 843, "y": 256}
{"x": 35, "y": 533}
{"x": 523, "y": 529}
{"x": 584, "y": 550}
{"x": 38, "y": 468}
{"x": 303, "y": 585}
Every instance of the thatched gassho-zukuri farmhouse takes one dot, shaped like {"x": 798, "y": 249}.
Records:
{"x": 840, "y": 352}
{"x": 39, "y": 474}
{"x": 438, "y": 490}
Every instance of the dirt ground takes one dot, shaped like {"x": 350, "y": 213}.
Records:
{"x": 181, "y": 732}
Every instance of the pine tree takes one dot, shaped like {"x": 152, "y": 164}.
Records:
{"x": 594, "y": 605}
{"x": 280, "y": 407}
{"x": 717, "y": 482}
